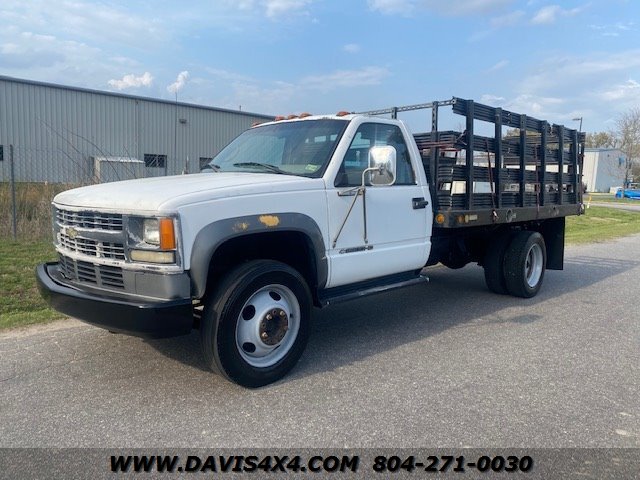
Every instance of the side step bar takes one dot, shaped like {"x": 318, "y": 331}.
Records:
{"x": 331, "y": 296}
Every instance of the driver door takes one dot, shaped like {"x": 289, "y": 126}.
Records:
{"x": 396, "y": 232}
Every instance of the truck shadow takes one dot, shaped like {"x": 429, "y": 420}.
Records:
{"x": 353, "y": 331}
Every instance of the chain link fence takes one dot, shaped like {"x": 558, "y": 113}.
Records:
{"x": 30, "y": 178}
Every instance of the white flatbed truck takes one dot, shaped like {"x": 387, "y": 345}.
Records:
{"x": 311, "y": 211}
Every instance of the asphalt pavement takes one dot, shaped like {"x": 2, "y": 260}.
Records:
{"x": 445, "y": 364}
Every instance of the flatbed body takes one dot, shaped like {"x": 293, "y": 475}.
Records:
{"x": 531, "y": 173}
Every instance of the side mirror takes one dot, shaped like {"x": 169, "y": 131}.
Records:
{"x": 382, "y": 165}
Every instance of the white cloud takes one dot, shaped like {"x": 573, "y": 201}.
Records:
{"x": 630, "y": 90}
{"x": 242, "y": 4}
{"x": 552, "y": 109}
{"x": 277, "y": 8}
{"x": 508, "y": 19}
{"x": 351, "y": 48}
{"x": 591, "y": 85}
{"x": 538, "y": 106}
{"x": 450, "y": 7}
{"x": 280, "y": 97}
{"x": 47, "y": 57}
{"x": 277, "y": 98}
{"x": 480, "y": 35}
{"x": 492, "y": 100}
{"x": 502, "y": 21}
{"x": 614, "y": 30}
{"x": 83, "y": 21}
{"x": 345, "y": 79}
{"x": 498, "y": 66}
{"x": 26, "y": 49}
{"x": 467, "y": 7}
{"x": 576, "y": 73}
{"x": 131, "y": 81}
{"x": 124, "y": 61}
{"x": 533, "y": 105}
{"x": 271, "y": 8}
{"x": 546, "y": 15}
{"x": 624, "y": 26}
{"x": 226, "y": 75}
{"x": 72, "y": 42}
{"x": 180, "y": 82}
{"x": 550, "y": 13}
{"x": 392, "y": 6}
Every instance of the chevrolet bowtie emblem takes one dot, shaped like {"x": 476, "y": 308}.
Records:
{"x": 72, "y": 233}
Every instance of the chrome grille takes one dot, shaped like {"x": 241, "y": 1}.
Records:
{"x": 92, "y": 248}
{"x": 105, "y": 276}
{"x": 80, "y": 245}
{"x": 94, "y": 220}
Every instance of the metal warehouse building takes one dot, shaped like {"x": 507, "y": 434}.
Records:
{"x": 603, "y": 169}
{"x": 73, "y": 135}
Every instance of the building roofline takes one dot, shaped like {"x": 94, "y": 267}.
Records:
{"x": 131, "y": 97}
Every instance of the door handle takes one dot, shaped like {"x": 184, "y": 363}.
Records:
{"x": 419, "y": 202}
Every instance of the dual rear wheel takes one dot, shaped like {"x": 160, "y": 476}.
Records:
{"x": 515, "y": 263}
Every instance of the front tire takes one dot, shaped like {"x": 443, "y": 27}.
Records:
{"x": 524, "y": 264}
{"x": 255, "y": 325}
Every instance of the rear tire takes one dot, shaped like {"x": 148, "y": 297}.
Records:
{"x": 255, "y": 325}
{"x": 494, "y": 263}
{"x": 524, "y": 264}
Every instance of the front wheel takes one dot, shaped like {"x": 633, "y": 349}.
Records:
{"x": 256, "y": 324}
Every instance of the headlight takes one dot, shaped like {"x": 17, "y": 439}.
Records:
{"x": 151, "y": 231}
{"x": 152, "y": 240}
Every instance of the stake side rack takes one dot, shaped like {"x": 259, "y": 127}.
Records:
{"x": 531, "y": 172}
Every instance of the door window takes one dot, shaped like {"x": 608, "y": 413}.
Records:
{"x": 356, "y": 160}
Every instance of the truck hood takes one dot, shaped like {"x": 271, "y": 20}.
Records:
{"x": 167, "y": 194}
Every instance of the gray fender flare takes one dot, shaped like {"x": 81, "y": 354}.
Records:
{"x": 215, "y": 234}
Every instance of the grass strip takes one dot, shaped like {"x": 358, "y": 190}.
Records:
{"x": 600, "y": 224}
{"x": 20, "y": 301}
{"x": 607, "y": 198}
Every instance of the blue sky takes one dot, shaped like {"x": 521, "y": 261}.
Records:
{"x": 555, "y": 60}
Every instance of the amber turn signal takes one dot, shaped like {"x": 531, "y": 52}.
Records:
{"x": 167, "y": 234}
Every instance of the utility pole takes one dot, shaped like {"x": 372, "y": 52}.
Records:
{"x": 578, "y": 119}
{"x": 14, "y": 216}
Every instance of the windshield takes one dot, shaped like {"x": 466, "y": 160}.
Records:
{"x": 293, "y": 148}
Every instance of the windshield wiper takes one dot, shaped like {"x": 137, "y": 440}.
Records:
{"x": 210, "y": 166}
{"x": 266, "y": 166}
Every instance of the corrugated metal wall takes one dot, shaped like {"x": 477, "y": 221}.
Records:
{"x": 56, "y": 131}
{"x": 602, "y": 169}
